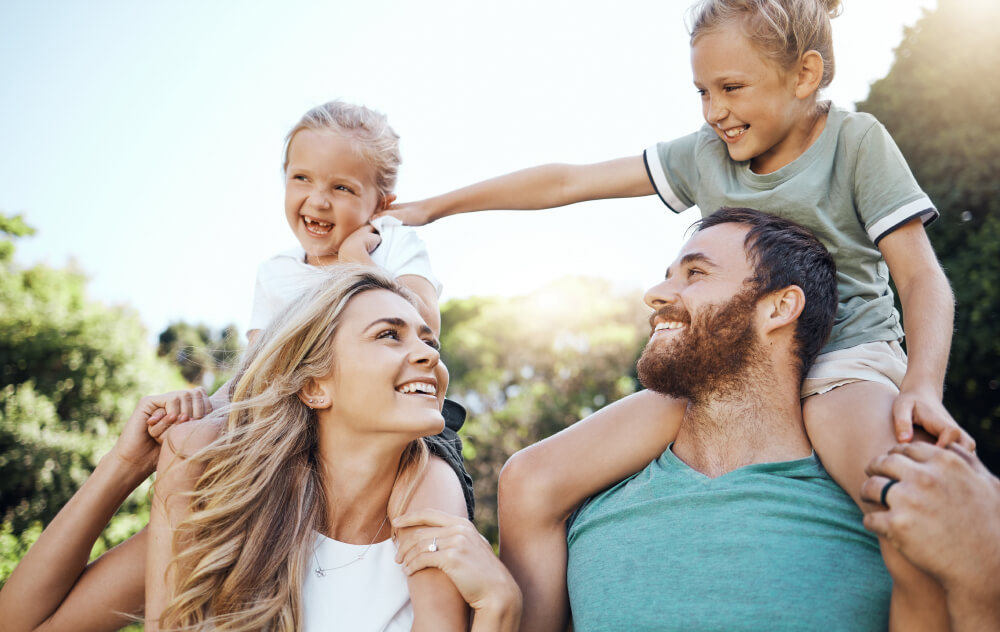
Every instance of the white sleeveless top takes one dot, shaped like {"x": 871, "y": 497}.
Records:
{"x": 369, "y": 595}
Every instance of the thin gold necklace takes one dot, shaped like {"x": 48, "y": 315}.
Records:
{"x": 321, "y": 572}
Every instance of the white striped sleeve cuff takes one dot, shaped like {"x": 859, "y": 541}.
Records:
{"x": 659, "y": 180}
{"x": 921, "y": 207}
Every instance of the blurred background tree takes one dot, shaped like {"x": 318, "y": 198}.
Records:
{"x": 205, "y": 358}
{"x": 527, "y": 367}
{"x": 71, "y": 370}
{"x": 940, "y": 106}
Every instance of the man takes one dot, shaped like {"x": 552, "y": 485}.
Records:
{"x": 737, "y": 525}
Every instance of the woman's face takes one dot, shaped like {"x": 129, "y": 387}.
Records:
{"x": 388, "y": 374}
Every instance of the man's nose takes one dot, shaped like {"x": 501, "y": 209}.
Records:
{"x": 663, "y": 293}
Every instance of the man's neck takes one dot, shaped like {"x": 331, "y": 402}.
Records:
{"x": 724, "y": 432}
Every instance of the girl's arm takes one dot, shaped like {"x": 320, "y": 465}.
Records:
{"x": 547, "y": 186}
{"x": 437, "y": 603}
{"x": 928, "y": 320}
{"x": 541, "y": 485}
{"x": 426, "y": 298}
{"x": 53, "y": 587}
{"x": 170, "y": 507}
{"x": 468, "y": 560}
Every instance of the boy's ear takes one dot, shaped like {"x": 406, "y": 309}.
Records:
{"x": 387, "y": 201}
{"x": 314, "y": 395}
{"x": 810, "y": 74}
{"x": 783, "y": 307}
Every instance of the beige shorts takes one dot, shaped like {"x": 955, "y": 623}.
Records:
{"x": 882, "y": 362}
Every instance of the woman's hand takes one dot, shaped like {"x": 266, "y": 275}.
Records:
{"x": 434, "y": 539}
{"x": 139, "y": 443}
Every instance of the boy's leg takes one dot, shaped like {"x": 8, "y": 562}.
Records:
{"x": 848, "y": 427}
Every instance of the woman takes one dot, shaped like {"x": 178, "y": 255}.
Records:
{"x": 276, "y": 517}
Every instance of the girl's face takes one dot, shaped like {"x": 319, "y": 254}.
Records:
{"x": 750, "y": 103}
{"x": 329, "y": 193}
{"x": 389, "y": 377}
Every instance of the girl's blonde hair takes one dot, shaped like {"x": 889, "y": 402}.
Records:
{"x": 369, "y": 133}
{"x": 241, "y": 554}
{"x": 782, "y": 30}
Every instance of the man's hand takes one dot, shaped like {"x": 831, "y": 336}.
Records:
{"x": 923, "y": 407}
{"x": 411, "y": 213}
{"x": 359, "y": 245}
{"x": 139, "y": 443}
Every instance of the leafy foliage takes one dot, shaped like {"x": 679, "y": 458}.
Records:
{"x": 527, "y": 367}
{"x": 71, "y": 369}
{"x": 203, "y": 357}
{"x": 941, "y": 111}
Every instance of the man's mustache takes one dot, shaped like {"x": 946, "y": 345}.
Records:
{"x": 671, "y": 313}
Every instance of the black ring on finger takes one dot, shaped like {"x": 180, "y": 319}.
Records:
{"x": 885, "y": 490}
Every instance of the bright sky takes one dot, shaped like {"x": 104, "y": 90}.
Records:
{"x": 143, "y": 140}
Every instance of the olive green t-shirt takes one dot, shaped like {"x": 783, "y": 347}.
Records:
{"x": 851, "y": 188}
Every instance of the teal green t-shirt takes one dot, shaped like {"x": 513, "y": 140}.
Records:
{"x": 851, "y": 188}
{"x": 770, "y": 546}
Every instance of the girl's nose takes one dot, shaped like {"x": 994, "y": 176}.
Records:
{"x": 318, "y": 199}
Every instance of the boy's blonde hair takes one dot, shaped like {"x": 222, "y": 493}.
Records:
{"x": 242, "y": 552}
{"x": 369, "y": 133}
{"x": 782, "y": 30}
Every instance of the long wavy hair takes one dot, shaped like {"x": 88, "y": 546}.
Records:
{"x": 241, "y": 554}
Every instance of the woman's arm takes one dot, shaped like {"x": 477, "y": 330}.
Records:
{"x": 176, "y": 475}
{"x": 468, "y": 560}
{"x": 546, "y": 186}
{"x": 541, "y": 485}
{"x": 53, "y": 587}
{"x": 437, "y": 603}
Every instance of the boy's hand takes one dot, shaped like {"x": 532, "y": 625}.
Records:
{"x": 919, "y": 407}
{"x": 359, "y": 245}
{"x": 139, "y": 443}
{"x": 410, "y": 213}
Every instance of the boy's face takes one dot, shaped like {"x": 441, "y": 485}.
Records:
{"x": 747, "y": 100}
{"x": 329, "y": 193}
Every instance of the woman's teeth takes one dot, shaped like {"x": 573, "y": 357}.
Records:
{"x": 418, "y": 387}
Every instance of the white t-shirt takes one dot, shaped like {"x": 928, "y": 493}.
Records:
{"x": 285, "y": 276}
{"x": 369, "y": 595}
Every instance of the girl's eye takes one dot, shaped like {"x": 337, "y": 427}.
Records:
{"x": 299, "y": 177}
{"x": 388, "y": 333}
{"x": 343, "y": 187}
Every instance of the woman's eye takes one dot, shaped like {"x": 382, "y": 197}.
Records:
{"x": 732, "y": 88}
{"x": 388, "y": 333}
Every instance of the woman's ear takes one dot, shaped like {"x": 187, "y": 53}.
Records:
{"x": 784, "y": 307}
{"x": 810, "y": 74}
{"x": 314, "y": 395}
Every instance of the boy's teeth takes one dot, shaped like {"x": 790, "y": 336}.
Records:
{"x": 736, "y": 131}
{"x": 421, "y": 387}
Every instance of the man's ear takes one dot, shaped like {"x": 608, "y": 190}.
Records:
{"x": 314, "y": 395}
{"x": 784, "y": 307}
{"x": 809, "y": 74}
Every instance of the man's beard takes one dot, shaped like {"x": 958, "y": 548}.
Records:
{"x": 711, "y": 358}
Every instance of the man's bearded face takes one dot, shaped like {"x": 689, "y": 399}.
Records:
{"x": 713, "y": 354}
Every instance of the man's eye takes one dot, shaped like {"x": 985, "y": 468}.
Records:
{"x": 433, "y": 343}
{"x": 693, "y": 271}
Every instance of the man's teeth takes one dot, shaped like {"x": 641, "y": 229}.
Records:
{"x": 735, "y": 131}
{"x": 668, "y": 325}
{"x": 317, "y": 227}
{"x": 418, "y": 387}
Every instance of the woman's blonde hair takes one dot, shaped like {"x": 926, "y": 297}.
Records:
{"x": 781, "y": 30}
{"x": 370, "y": 135}
{"x": 241, "y": 554}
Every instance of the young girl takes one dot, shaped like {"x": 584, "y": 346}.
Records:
{"x": 770, "y": 144}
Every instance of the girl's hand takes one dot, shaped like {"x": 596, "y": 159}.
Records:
{"x": 359, "y": 245}
{"x": 410, "y": 213}
{"x": 428, "y": 538}
{"x": 139, "y": 443}
{"x": 924, "y": 409}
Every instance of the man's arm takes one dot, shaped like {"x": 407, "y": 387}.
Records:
{"x": 546, "y": 186}
{"x": 543, "y": 484}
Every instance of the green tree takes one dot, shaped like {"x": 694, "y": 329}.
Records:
{"x": 204, "y": 357}
{"x": 71, "y": 369}
{"x": 940, "y": 106}
{"x": 528, "y": 367}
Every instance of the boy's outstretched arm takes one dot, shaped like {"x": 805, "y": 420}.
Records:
{"x": 928, "y": 320}
{"x": 541, "y": 485}
{"x": 546, "y": 186}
